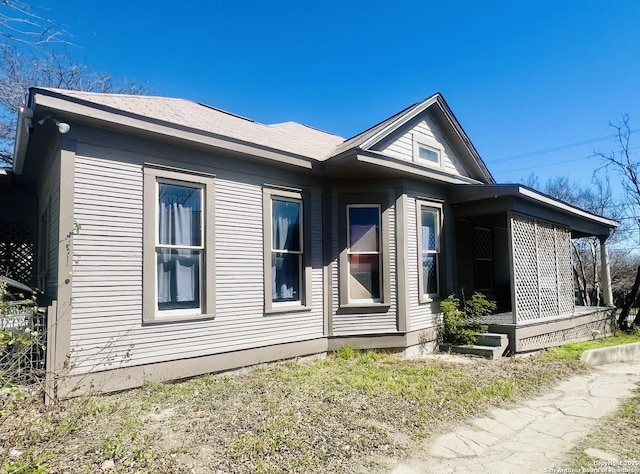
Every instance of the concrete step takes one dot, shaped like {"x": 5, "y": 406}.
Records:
{"x": 487, "y": 352}
{"x": 488, "y": 345}
{"x": 492, "y": 339}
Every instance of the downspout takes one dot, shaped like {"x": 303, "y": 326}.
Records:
{"x": 25, "y": 128}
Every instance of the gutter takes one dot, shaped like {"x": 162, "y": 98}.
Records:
{"x": 25, "y": 128}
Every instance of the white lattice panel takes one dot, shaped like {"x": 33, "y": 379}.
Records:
{"x": 525, "y": 267}
{"x": 566, "y": 298}
{"x": 542, "y": 268}
{"x": 547, "y": 271}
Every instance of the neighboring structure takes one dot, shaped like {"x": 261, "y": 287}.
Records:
{"x": 175, "y": 239}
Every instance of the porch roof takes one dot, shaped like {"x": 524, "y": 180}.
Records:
{"x": 469, "y": 200}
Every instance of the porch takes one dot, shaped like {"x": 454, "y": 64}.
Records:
{"x": 585, "y": 323}
{"x": 514, "y": 245}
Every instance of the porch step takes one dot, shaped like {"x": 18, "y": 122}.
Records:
{"x": 492, "y": 339}
{"x": 488, "y": 345}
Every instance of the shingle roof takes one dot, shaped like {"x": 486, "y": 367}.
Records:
{"x": 289, "y": 137}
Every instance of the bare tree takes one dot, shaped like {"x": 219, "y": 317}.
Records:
{"x": 19, "y": 23}
{"x": 597, "y": 199}
{"x": 627, "y": 165}
{"x": 20, "y": 70}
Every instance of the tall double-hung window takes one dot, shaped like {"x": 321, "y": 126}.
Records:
{"x": 364, "y": 261}
{"x": 287, "y": 275}
{"x": 178, "y": 269}
{"x": 429, "y": 235}
{"x": 180, "y": 247}
{"x": 364, "y": 266}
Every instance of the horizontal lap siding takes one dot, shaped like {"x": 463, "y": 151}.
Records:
{"x": 107, "y": 330}
{"x": 50, "y": 197}
{"x": 362, "y": 322}
{"x": 419, "y": 314}
{"x": 423, "y": 315}
{"x": 402, "y": 146}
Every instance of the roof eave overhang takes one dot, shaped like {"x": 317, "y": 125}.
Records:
{"x": 393, "y": 166}
{"x": 90, "y": 114}
{"x": 470, "y": 200}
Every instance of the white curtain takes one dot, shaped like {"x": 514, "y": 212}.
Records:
{"x": 178, "y": 268}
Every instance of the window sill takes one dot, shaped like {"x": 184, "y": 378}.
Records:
{"x": 288, "y": 309}
{"x": 176, "y": 319}
{"x": 430, "y": 299}
{"x": 354, "y": 308}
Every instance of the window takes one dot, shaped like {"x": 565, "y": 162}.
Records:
{"x": 287, "y": 272}
{"x": 483, "y": 256}
{"x": 179, "y": 247}
{"x": 363, "y": 229}
{"x": 286, "y": 250}
{"x": 178, "y": 268}
{"x": 429, "y": 228}
{"x": 426, "y": 150}
{"x": 363, "y": 237}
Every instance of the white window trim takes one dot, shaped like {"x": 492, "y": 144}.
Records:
{"x": 378, "y": 253}
{"x": 424, "y": 141}
{"x": 428, "y": 297}
{"x": 201, "y": 248}
{"x": 153, "y": 176}
{"x": 269, "y": 195}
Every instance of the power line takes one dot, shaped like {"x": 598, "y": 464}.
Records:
{"x": 556, "y": 148}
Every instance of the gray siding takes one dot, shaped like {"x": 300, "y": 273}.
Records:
{"x": 49, "y": 195}
{"x": 360, "y": 321}
{"x": 400, "y": 145}
{"x": 424, "y": 314}
{"x": 107, "y": 330}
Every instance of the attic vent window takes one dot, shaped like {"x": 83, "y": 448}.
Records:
{"x": 429, "y": 154}
{"x": 427, "y": 150}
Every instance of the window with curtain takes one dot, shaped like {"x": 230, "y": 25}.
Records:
{"x": 179, "y": 247}
{"x": 429, "y": 218}
{"x": 286, "y": 250}
{"x": 363, "y": 228}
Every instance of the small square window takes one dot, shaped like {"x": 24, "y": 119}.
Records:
{"x": 428, "y": 154}
{"x": 427, "y": 150}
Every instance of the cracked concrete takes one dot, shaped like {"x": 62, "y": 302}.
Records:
{"x": 532, "y": 437}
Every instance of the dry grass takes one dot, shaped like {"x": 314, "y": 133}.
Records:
{"x": 347, "y": 413}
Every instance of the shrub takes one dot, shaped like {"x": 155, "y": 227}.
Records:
{"x": 21, "y": 339}
{"x": 461, "y": 322}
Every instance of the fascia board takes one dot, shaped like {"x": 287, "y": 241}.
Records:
{"x": 22, "y": 139}
{"x": 86, "y": 112}
{"x": 465, "y": 194}
{"x": 531, "y": 194}
{"x": 390, "y": 128}
{"x": 379, "y": 159}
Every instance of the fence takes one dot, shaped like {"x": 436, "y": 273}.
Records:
{"x": 23, "y": 332}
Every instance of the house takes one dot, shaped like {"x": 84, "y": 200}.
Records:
{"x": 174, "y": 239}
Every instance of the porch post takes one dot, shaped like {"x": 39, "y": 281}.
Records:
{"x": 605, "y": 273}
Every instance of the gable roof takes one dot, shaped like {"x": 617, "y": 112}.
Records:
{"x": 377, "y": 133}
{"x": 287, "y": 142}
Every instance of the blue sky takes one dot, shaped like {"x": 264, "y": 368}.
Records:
{"x": 520, "y": 76}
